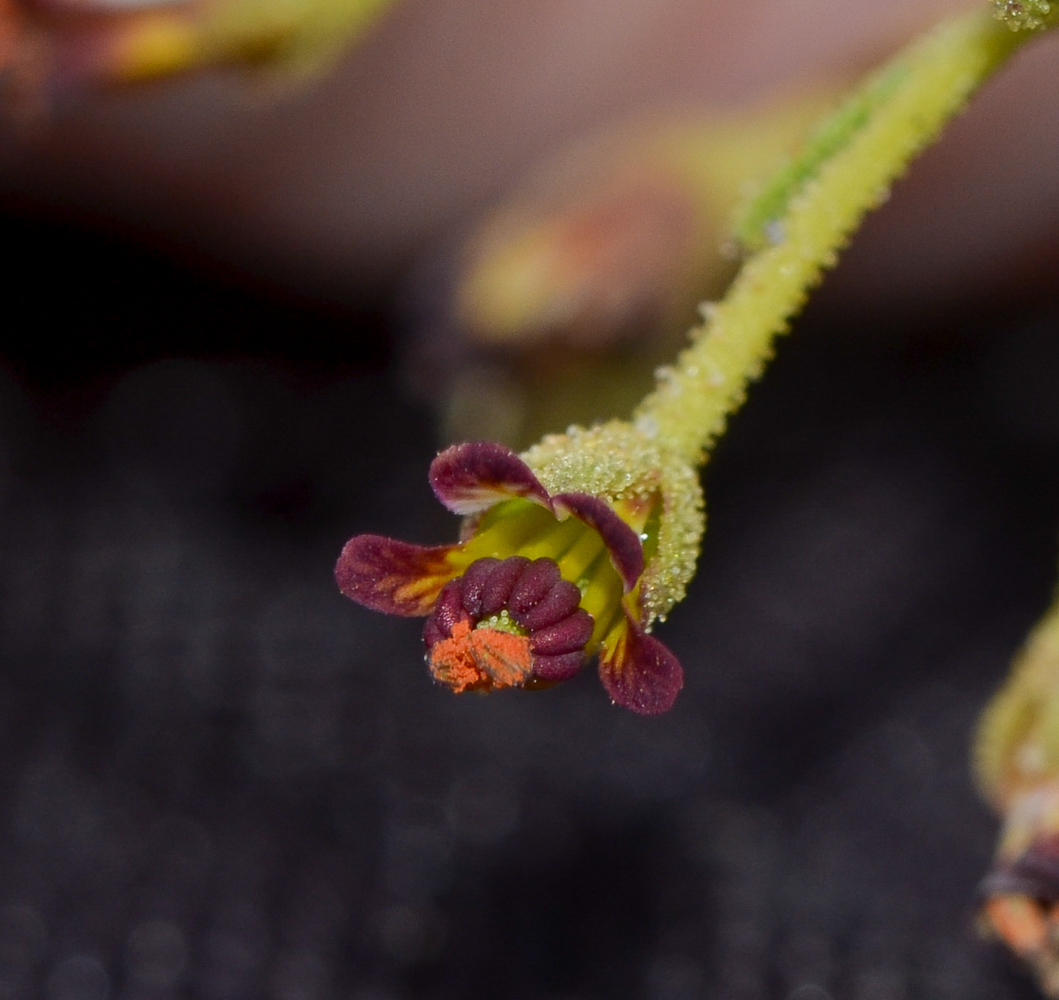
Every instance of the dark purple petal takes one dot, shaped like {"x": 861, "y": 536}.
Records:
{"x": 532, "y": 586}
{"x": 501, "y": 581}
{"x": 432, "y": 633}
{"x": 473, "y": 582}
{"x": 623, "y": 544}
{"x": 1034, "y": 873}
{"x": 557, "y": 668}
{"x": 392, "y": 576}
{"x": 468, "y": 478}
{"x": 565, "y": 637}
{"x": 557, "y": 605}
{"x": 640, "y": 673}
{"x": 448, "y": 609}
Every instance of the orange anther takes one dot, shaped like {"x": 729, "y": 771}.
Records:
{"x": 481, "y": 658}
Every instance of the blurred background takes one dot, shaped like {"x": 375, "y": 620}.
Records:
{"x": 220, "y": 779}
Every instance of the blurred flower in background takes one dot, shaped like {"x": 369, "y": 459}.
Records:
{"x": 568, "y": 295}
{"x": 339, "y": 187}
{"x": 57, "y": 46}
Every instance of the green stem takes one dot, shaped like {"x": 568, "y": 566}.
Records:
{"x": 843, "y": 174}
{"x": 761, "y": 216}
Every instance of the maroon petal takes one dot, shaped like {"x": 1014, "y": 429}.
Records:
{"x": 395, "y": 577}
{"x": 557, "y": 668}
{"x": 468, "y": 478}
{"x": 1034, "y": 873}
{"x": 640, "y": 673}
{"x": 497, "y": 589}
{"x": 559, "y": 604}
{"x": 473, "y": 582}
{"x": 567, "y": 636}
{"x": 433, "y": 633}
{"x": 532, "y": 587}
{"x": 448, "y": 610}
{"x": 623, "y": 544}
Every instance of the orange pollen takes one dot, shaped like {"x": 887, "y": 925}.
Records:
{"x": 483, "y": 658}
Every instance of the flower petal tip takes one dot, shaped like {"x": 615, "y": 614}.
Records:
{"x": 392, "y": 576}
{"x": 469, "y": 478}
{"x": 1035, "y": 873}
{"x": 641, "y": 674}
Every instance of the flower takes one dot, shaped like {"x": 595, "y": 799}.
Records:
{"x": 1017, "y": 765}
{"x": 546, "y": 575}
{"x": 1020, "y": 895}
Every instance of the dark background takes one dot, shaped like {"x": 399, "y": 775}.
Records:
{"x": 220, "y": 779}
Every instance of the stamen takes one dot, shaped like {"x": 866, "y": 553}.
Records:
{"x": 507, "y": 623}
{"x": 482, "y": 658}
{"x": 452, "y": 662}
{"x": 582, "y": 557}
{"x": 558, "y": 539}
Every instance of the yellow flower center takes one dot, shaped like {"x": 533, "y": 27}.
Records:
{"x": 521, "y": 527}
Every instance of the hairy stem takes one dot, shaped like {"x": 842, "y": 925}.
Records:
{"x": 819, "y": 200}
